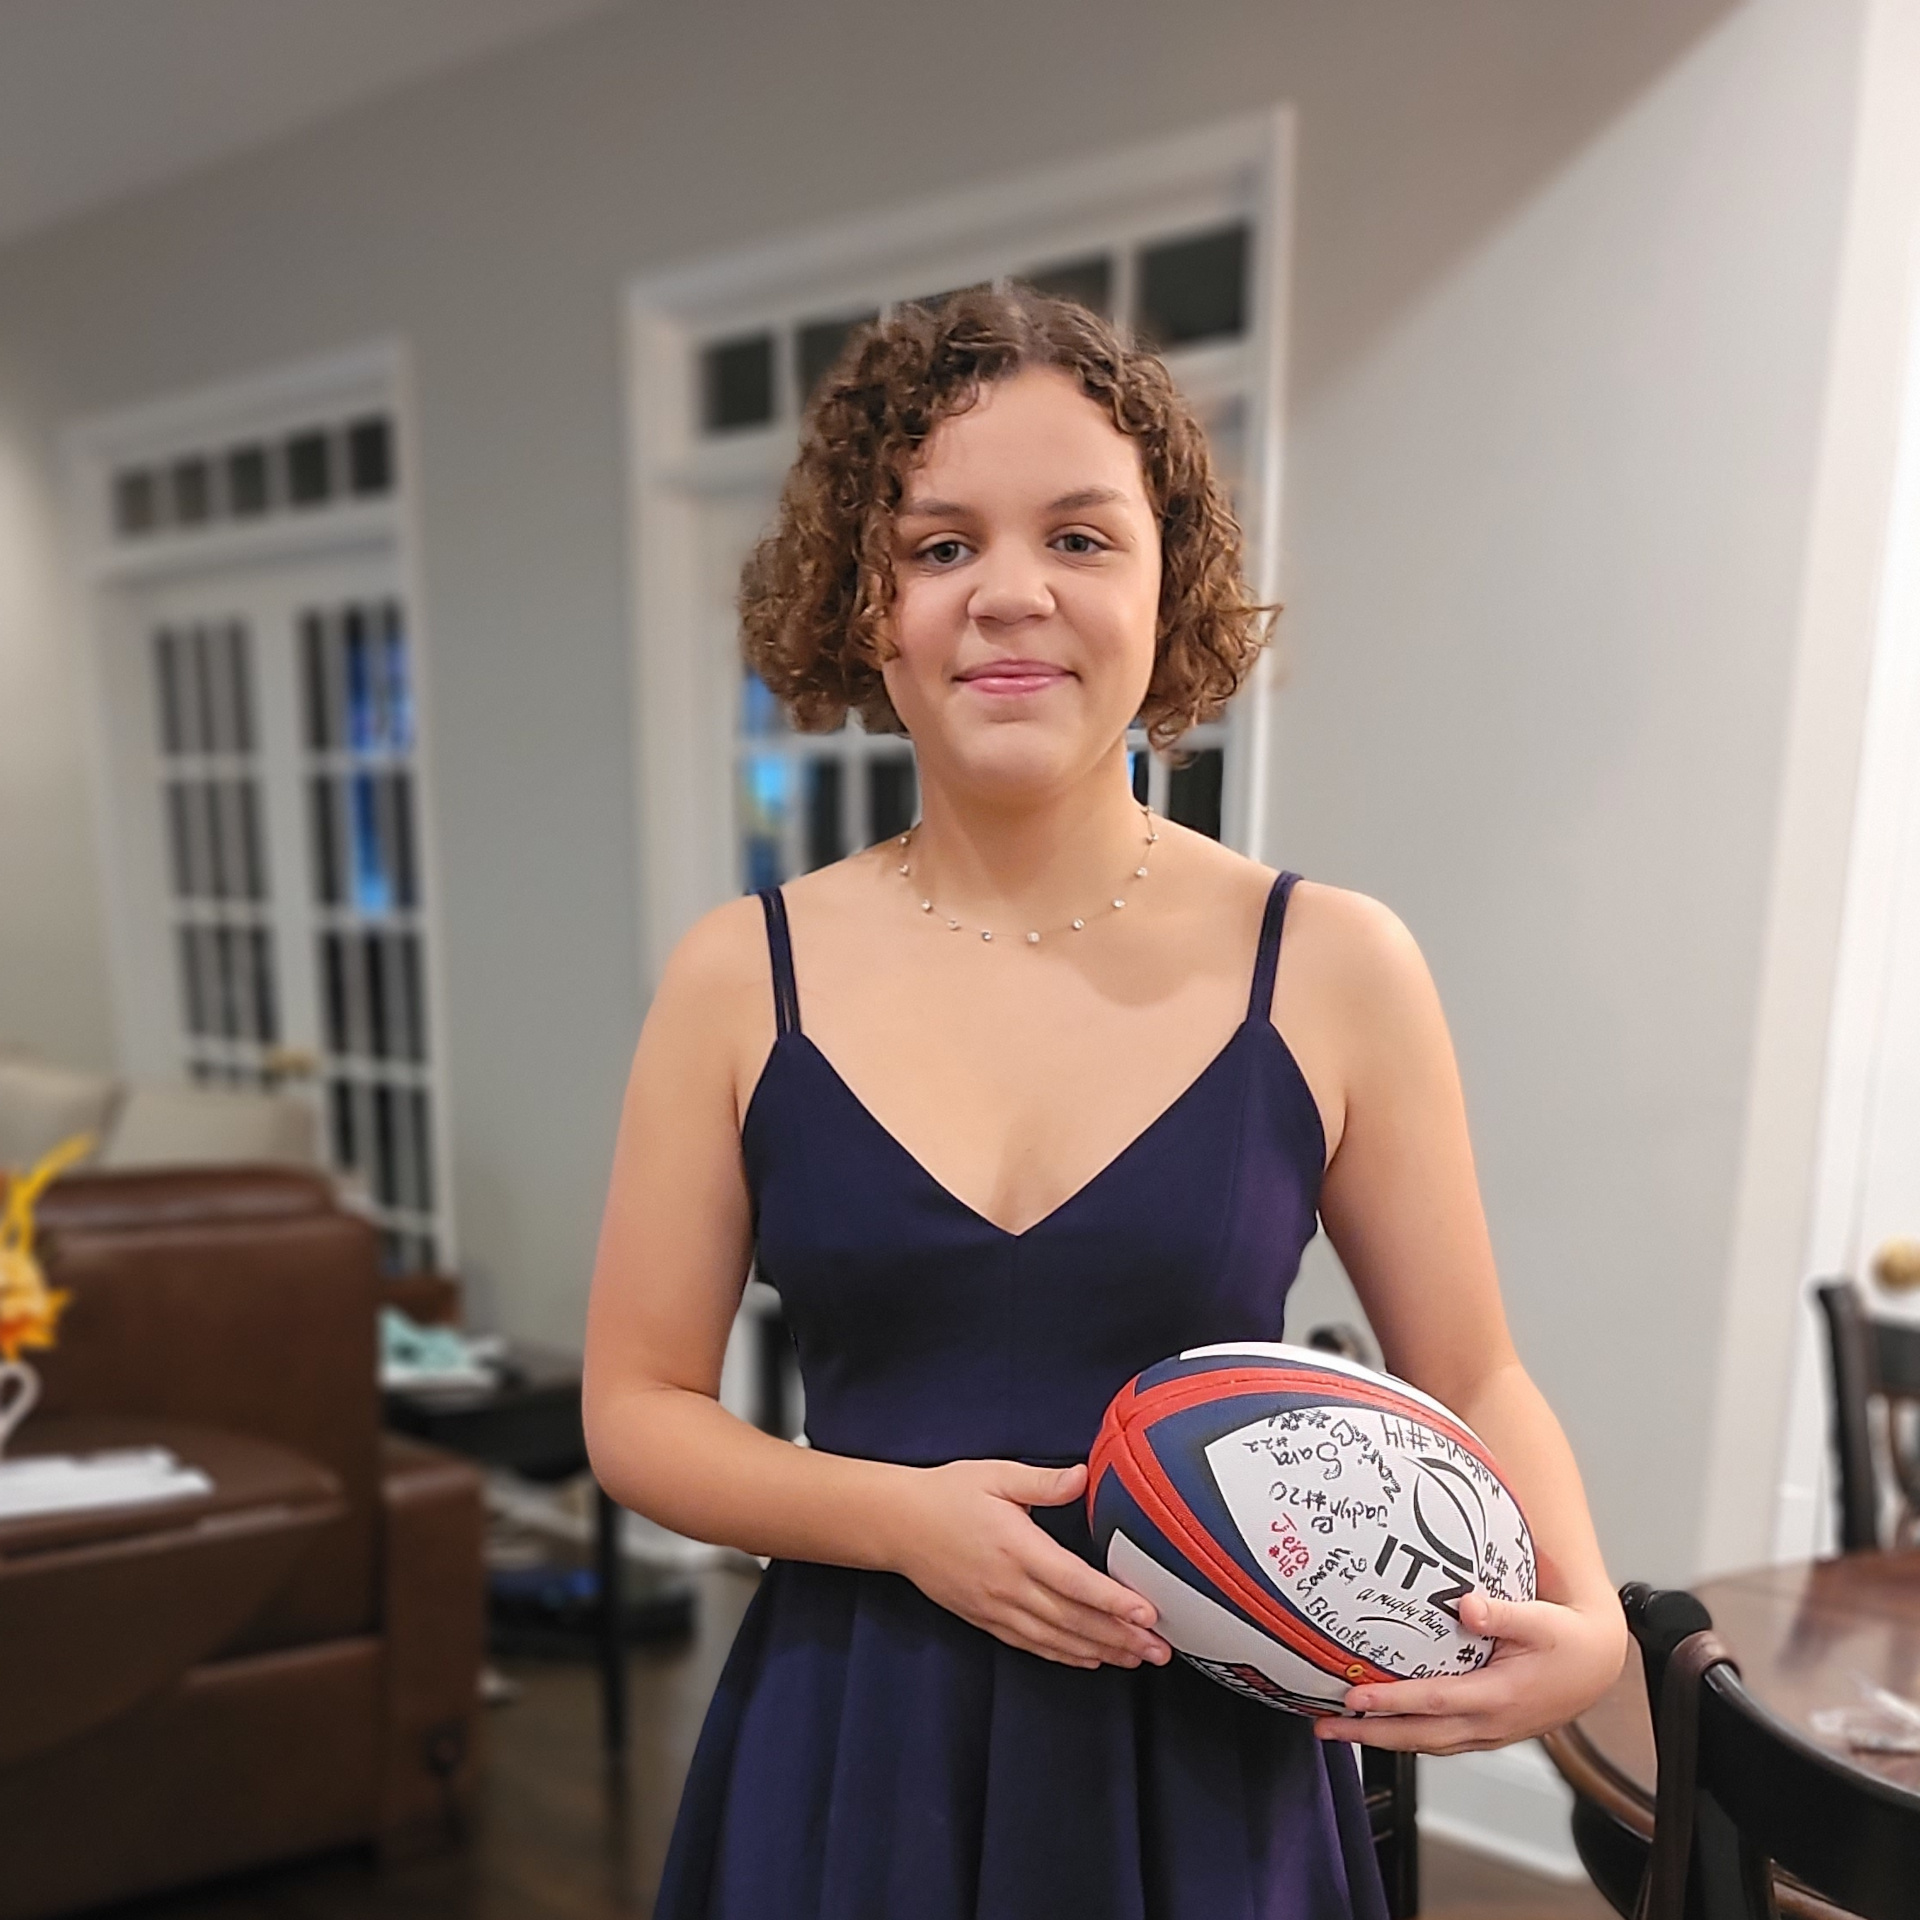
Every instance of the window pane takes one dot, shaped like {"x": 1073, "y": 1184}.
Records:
{"x": 759, "y": 710}
{"x": 309, "y": 469}
{"x": 422, "y": 1154}
{"x": 1193, "y": 792}
{"x": 399, "y": 685}
{"x": 891, "y": 795}
{"x": 1194, "y": 289}
{"x": 166, "y": 661}
{"x": 374, "y": 974}
{"x": 736, "y": 382}
{"x": 205, "y": 738}
{"x": 413, "y": 995}
{"x": 240, "y": 670}
{"x": 340, "y": 1108}
{"x": 361, "y": 729}
{"x": 247, "y": 482}
{"x": 266, "y": 1011}
{"x": 370, "y": 457}
{"x": 406, "y": 887}
{"x": 1089, "y": 281}
{"x": 313, "y": 647}
{"x": 200, "y": 821}
{"x": 217, "y": 837}
{"x": 180, "y": 841}
{"x": 192, "y": 492}
{"x": 825, "y": 841}
{"x": 333, "y": 972}
{"x": 192, "y": 1009}
{"x": 326, "y": 840}
{"x": 817, "y": 345}
{"x": 227, "y": 985}
{"x": 227, "y": 672}
{"x": 135, "y": 501}
{"x": 252, "y": 841}
{"x": 386, "y": 1185}
{"x": 372, "y": 879}
{"x": 229, "y": 840}
{"x": 765, "y": 801}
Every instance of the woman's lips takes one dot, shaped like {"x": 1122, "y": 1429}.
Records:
{"x": 1013, "y": 677}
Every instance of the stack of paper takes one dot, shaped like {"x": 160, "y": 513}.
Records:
{"x": 70, "y": 1483}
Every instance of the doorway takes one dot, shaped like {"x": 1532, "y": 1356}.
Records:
{"x": 258, "y": 671}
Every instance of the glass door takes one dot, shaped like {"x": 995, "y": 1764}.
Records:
{"x": 268, "y": 769}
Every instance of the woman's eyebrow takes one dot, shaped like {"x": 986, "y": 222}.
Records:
{"x": 1073, "y": 502}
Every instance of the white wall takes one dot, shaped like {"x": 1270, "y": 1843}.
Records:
{"x": 1562, "y": 300}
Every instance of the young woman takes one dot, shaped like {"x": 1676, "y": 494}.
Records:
{"x": 1004, "y": 1109}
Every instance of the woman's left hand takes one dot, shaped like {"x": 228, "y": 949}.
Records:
{"x": 1549, "y": 1664}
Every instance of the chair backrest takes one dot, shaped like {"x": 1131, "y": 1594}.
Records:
{"x": 1869, "y": 1361}
{"x": 1741, "y": 1793}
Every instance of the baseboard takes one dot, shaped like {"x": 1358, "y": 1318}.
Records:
{"x": 1509, "y": 1804}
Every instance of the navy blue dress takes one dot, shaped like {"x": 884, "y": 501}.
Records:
{"x": 870, "y": 1755}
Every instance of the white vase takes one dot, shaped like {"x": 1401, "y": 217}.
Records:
{"x": 19, "y": 1389}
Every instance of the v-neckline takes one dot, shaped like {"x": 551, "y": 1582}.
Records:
{"x": 1080, "y": 1192}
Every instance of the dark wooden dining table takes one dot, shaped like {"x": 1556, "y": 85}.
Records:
{"x": 1804, "y": 1635}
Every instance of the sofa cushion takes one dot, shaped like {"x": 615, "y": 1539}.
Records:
{"x": 41, "y": 1105}
{"x": 109, "y": 1607}
{"x": 174, "y": 1126}
{"x": 139, "y": 1198}
{"x": 259, "y": 1325}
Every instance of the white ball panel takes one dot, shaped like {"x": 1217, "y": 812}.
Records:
{"x": 1219, "y": 1642}
{"x": 1373, "y": 1527}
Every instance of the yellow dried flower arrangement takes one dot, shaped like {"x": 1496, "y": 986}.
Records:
{"x": 29, "y": 1308}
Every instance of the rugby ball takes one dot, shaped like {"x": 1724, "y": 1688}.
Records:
{"x": 1302, "y": 1523}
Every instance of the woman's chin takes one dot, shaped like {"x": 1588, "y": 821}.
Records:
{"x": 1007, "y": 768}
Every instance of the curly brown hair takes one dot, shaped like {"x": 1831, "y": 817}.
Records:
{"x": 816, "y": 592}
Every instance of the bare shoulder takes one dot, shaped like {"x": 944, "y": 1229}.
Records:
{"x": 1350, "y": 935}
{"x": 1351, "y": 961}
{"x": 711, "y": 1020}
{"x": 720, "y": 960}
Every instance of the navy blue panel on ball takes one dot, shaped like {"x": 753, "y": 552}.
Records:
{"x": 1115, "y": 1510}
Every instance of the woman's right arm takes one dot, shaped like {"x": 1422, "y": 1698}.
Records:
{"x": 675, "y": 1245}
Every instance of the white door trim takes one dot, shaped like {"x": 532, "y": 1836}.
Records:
{"x": 102, "y": 572}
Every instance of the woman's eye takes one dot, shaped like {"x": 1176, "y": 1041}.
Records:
{"x": 1079, "y": 543}
{"x": 943, "y": 553}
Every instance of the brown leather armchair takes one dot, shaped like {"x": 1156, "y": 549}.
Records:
{"x": 287, "y": 1664}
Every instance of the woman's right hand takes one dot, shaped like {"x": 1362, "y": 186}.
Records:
{"x": 967, "y": 1541}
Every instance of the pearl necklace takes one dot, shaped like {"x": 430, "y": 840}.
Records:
{"x": 1114, "y": 905}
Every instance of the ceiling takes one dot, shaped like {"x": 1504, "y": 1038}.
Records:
{"x": 101, "y": 98}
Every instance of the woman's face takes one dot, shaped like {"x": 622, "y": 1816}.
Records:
{"x": 1027, "y": 569}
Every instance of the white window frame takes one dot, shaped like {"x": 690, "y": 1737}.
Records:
{"x": 685, "y": 697}
{"x": 106, "y": 571}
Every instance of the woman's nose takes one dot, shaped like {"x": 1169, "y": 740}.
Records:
{"x": 1009, "y": 585}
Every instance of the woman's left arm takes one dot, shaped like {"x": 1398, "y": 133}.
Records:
{"x": 1401, "y": 1205}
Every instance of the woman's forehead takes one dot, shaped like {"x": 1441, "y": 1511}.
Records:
{"x": 1034, "y": 438}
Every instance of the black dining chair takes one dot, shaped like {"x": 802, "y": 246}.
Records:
{"x": 1742, "y": 1797}
{"x": 1874, "y": 1365}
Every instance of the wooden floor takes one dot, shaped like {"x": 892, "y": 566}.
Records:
{"x": 556, "y": 1837}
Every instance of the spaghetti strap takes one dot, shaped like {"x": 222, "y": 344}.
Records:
{"x": 786, "y": 996}
{"x": 1260, "y": 1001}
